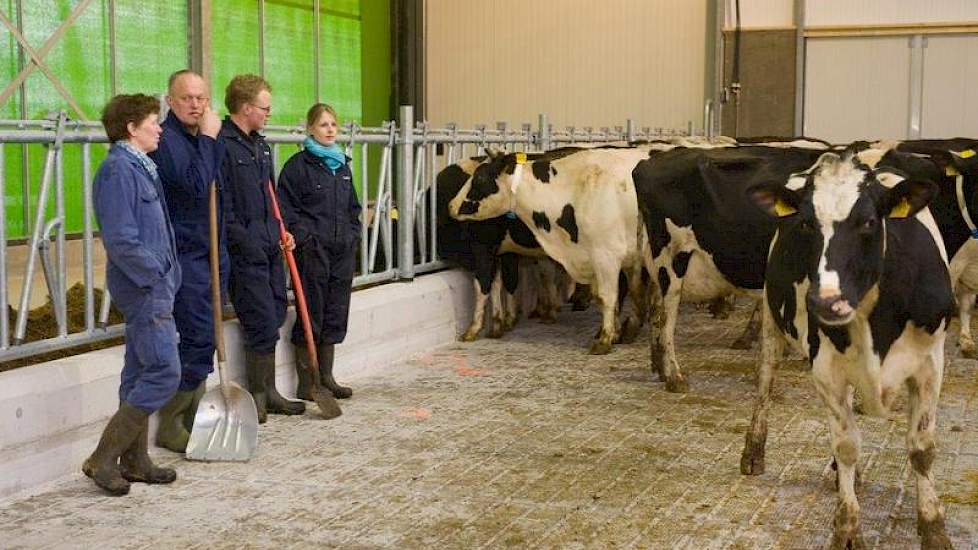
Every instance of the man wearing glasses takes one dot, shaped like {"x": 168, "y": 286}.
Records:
{"x": 257, "y": 281}
{"x": 188, "y": 159}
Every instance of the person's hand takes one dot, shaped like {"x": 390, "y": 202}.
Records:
{"x": 289, "y": 242}
{"x": 209, "y": 124}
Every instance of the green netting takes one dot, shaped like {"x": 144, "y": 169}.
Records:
{"x": 151, "y": 43}
{"x": 234, "y": 44}
{"x": 289, "y": 59}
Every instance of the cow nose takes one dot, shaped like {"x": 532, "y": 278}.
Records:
{"x": 829, "y": 305}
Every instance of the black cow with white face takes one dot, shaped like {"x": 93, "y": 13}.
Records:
{"x": 707, "y": 240}
{"x": 858, "y": 281}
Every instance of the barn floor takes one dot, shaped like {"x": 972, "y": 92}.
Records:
{"x": 528, "y": 442}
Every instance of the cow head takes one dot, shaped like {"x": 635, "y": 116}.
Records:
{"x": 488, "y": 193}
{"x": 836, "y": 222}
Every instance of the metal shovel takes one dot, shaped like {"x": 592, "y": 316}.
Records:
{"x": 226, "y": 424}
{"x": 324, "y": 399}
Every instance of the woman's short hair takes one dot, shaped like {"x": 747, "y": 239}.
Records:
{"x": 123, "y": 109}
{"x": 242, "y": 89}
{"x": 316, "y": 111}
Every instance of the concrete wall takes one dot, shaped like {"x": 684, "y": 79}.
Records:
{"x": 52, "y": 414}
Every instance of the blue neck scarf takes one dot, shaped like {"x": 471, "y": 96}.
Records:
{"x": 332, "y": 155}
{"x": 144, "y": 160}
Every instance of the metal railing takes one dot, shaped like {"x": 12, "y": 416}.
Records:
{"x": 398, "y": 194}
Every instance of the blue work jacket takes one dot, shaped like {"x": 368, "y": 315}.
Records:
{"x": 245, "y": 173}
{"x": 319, "y": 203}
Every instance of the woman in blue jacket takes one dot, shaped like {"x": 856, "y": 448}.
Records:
{"x": 143, "y": 275}
{"x": 321, "y": 210}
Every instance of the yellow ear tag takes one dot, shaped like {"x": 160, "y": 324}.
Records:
{"x": 520, "y": 158}
{"x": 783, "y": 209}
{"x": 967, "y": 153}
{"x": 951, "y": 171}
{"x": 394, "y": 213}
{"x": 901, "y": 210}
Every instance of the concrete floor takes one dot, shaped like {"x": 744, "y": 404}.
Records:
{"x": 528, "y": 442}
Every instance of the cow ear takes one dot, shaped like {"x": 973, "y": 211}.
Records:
{"x": 963, "y": 162}
{"x": 775, "y": 199}
{"x": 908, "y": 197}
{"x": 493, "y": 152}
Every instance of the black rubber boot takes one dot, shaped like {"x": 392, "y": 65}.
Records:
{"x": 256, "y": 382}
{"x": 326, "y": 373}
{"x": 274, "y": 402}
{"x": 172, "y": 432}
{"x": 136, "y": 466}
{"x": 303, "y": 389}
{"x": 103, "y": 464}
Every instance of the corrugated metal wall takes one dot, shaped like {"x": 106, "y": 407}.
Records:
{"x": 889, "y": 12}
{"x": 580, "y": 62}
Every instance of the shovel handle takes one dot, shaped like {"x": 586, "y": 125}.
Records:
{"x": 217, "y": 310}
{"x": 300, "y": 296}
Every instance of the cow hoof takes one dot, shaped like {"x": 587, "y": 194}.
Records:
{"x": 469, "y": 337}
{"x": 932, "y": 534}
{"x": 751, "y": 462}
{"x": 495, "y": 333}
{"x": 846, "y": 534}
{"x": 676, "y": 384}
{"x": 742, "y": 343}
{"x": 600, "y": 348}
{"x": 969, "y": 352}
{"x": 629, "y": 331}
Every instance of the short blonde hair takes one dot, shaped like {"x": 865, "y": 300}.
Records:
{"x": 242, "y": 89}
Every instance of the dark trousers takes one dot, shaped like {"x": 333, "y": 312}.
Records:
{"x": 257, "y": 289}
{"x": 327, "y": 278}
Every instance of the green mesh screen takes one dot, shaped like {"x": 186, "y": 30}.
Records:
{"x": 234, "y": 44}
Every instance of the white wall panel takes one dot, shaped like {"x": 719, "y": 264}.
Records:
{"x": 580, "y": 62}
{"x": 761, "y": 13}
{"x": 857, "y": 88}
{"x": 892, "y": 12}
{"x": 950, "y": 98}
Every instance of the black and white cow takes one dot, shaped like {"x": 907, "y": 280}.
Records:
{"x": 858, "y": 281}
{"x": 706, "y": 239}
{"x": 583, "y": 211}
{"x": 488, "y": 249}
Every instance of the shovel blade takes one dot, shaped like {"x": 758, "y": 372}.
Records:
{"x": 224, "y": 429}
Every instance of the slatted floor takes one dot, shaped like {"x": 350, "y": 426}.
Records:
{"x": 527, "y": 442}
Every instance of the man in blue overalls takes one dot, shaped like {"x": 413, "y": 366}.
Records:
{"x": 143, "y": 275}
{"x": 188, "y": 159}
{"x": 257, "y": 281}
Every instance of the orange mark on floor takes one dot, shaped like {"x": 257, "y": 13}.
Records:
{"x": 466, "y": 371}
{"x": 418, "y": 414}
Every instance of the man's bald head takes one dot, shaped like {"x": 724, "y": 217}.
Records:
{"x": 187, "y": 95}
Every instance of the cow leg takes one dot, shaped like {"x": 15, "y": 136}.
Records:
{"x": 749, "y": 336}
{"x": 924, "y": 388}
{"x": 966, "y": 301}
{"x": 478, "y": 313}
{"x": 548, "y": 300}
{"x": 496, "y": 301}
{"x": 671, "y": 289}
{"x": 607, "y": 287}
{"x": 721, "y": 307}
{"x": 772, "y": 346}
{"x": 631, "y": 325}
{"x": 510, "y": 276}
{"x": 832, "y": 387}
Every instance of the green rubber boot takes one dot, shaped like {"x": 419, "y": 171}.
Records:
{"x": 136, "y": 466}
{"x": 254, "y": 368}
{"x": 172, "y": 433}
{"x": 303, "y": 389}
{"x": 275, "y": 402}
{"x": 191, "y": 412}
{"x": 326, "y": 352}
{"x": 103, "y": 464}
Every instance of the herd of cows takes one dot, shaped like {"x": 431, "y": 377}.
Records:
{"x": 858, "y": 255}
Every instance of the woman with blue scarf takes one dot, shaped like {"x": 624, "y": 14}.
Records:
{"x": 321, "y": 209}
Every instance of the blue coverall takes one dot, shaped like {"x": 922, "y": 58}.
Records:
{"x": 142, "y": 274}
{"x": 188, "y": 164}
{"x": 257, "y": 281}
{"x": 321, "y": 210}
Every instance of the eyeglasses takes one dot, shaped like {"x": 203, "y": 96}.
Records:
{"x": 266, "y": 110}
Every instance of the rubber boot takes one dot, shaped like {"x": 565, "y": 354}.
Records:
{"x": 304, "y": 388}
{"x": 275, "y": 403}
{"x": 103, "y": 464}
{"x": 256, "y": 382}
{"x": 326, "y": 373}
{"x": 172, "y": 433}
{"x": 191, "y": 413}
{"x": 136, "y": 466}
